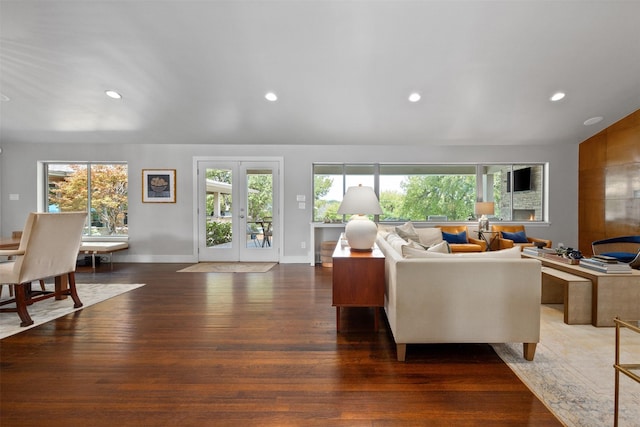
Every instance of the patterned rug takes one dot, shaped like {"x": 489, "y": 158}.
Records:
{"x": 46, "y": 310}
{"x": 229, "y": 267}
{"x": 572, "y": 372}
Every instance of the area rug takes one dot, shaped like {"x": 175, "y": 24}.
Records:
{"x": 46, "y": 310}
{"x": 572, "y": 372}
{"x": 229, "y": 267}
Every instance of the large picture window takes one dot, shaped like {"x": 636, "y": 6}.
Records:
{"x": 97, "y": 188}
{"x": 434, "y": 192}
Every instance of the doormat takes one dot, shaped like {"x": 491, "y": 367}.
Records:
{"x": 229, "y": 267}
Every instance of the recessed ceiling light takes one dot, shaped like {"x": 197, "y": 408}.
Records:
{"x": 4, "y": 97}
{"x": 557, "y": 96}
{"x": 593, "y": 121}
{"x": 113, "y": 94}
{"x": 414, "y": 97}
{"x": 270, "y": 96}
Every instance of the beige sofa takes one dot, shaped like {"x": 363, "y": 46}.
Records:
{"x": 461, "y": 298}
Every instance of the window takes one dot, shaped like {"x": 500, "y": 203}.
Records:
{"x": 98, "y": 188}
{"x": 432, "y": 192}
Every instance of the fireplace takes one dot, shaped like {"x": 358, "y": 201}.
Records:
{"x": 524, "y": 214}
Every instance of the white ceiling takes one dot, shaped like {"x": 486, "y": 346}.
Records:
{"x": 197, "y": 71}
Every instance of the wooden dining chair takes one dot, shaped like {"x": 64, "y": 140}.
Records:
{"x": 18, "y": 235}
{"x": 48, "y": 248}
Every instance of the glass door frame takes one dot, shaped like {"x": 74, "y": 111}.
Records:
{"x": 239, "y": 221}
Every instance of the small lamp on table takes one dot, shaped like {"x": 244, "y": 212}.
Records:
{"x": 483, "y": 209}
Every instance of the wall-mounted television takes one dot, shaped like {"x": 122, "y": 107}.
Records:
{"x": 521, "y": 180}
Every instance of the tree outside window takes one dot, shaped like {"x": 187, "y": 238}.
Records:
{"x": 99, "y": 188}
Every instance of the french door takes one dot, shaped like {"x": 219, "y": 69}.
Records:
{"x": 238, "y": 215}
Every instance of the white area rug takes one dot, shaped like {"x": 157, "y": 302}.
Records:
{"x": 229, "y": 267}
{"x": 572, "y": 372}
{"x": 46, "y": 310}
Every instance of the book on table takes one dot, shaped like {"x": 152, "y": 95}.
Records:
{"x": 532, "y": 250}
{"x": 605, "y": 266}
{"x": 605, "y": 258}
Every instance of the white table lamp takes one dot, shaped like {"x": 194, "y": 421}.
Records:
{"x": 360, "y": 231}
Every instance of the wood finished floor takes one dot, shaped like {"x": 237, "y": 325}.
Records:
{"x": 200, "y": 349}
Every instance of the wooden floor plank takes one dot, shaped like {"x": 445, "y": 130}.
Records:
{"x": 244, "y": 349}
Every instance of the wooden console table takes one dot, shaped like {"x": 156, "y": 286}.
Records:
{"x": 358, "y": 280}
{"x": 612, "y": 294}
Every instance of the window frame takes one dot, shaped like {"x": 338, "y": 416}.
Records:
{"x": 43, "y": 193}
{"x": 541, "y": 215}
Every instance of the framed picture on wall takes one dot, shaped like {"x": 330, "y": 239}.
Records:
{"x": 158, "y": 185}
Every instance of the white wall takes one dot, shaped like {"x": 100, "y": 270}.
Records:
{"x": 152, "y": 240}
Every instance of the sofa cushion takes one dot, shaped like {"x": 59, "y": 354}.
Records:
{"x": 455, "y": 238}
{"x": 429, "y": 235}
{"x": 407, "y": 231}
{"x": 517, "y": 237}
{"x": 514, "y": 253}
{"x": 414, "y": 248}
{"x": 396, "y": 242}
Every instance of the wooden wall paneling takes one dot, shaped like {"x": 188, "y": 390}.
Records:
{"x": 592, "y": 153}
{"x": 609, "y": 183}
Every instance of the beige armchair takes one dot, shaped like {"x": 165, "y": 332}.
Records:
{"x": 48, "y": 248}
{"x": 504, "y": 242}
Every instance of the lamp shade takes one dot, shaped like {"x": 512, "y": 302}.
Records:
{"x": 485, "y": 208}
{"x": 360, "y": 231}
{"x": 360, "y": 200}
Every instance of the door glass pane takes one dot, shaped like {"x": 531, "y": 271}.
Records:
{"x": 219, "y": 205}
{"x": 259, "y": 208}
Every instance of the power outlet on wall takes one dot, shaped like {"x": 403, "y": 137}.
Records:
{"x": 303, "y": 245}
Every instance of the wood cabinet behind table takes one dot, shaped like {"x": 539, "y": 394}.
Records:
{"x": 358, "y": 280}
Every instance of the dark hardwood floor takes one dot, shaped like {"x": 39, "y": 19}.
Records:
{"x": 198, "y": 349}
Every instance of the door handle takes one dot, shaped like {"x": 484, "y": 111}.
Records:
{"x": 241, "y": 216}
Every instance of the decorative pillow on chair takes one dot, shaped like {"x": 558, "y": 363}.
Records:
{"x": 517, "y": 237}
{"x": 455, "y": 238}
{"x": 407, "y": 232}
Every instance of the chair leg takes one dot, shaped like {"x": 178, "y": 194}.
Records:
{"x": 21, "y": 305}
{"x": 42, "y": 285}
{"x": 73, "y": 292}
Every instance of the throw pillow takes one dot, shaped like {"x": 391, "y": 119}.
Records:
{"x": 429, "y": 235}
{"x": 396, "y": 242}
{"x": 455, "y": 238}
{"x": 517, "y": 237}
{"x": 442, "y": 247}
{"x": 414, "y": 248}
{"x": 407, "y": 232}
{"x": 411, "y": 251}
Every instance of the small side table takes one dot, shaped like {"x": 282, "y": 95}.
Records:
{"x": 488, "y": 236}
{"x": 358, "y": 280}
